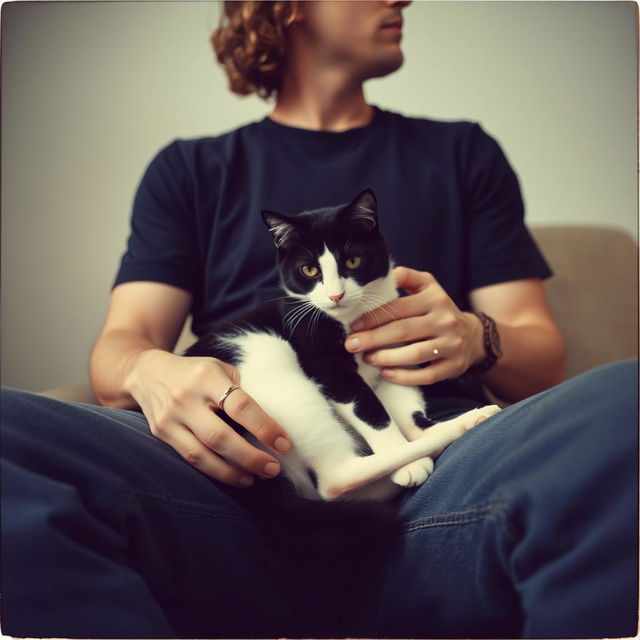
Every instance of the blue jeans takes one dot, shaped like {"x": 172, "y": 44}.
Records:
{"x": 526, "y": 528}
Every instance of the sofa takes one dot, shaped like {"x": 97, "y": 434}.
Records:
{"x": 593, "y": 294}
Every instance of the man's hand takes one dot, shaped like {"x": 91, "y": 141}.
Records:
{"x": 439, "y": 333}
{"x": 178, "y": 396}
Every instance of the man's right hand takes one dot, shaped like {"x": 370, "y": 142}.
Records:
{"x": 132, "y": 364}
{"x": 179, "y": 396}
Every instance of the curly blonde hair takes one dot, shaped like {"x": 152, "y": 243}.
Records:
{"x": 250, "y": 44}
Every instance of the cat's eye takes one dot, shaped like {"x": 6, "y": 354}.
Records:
{"x": 309, "y": 270}
{"x": 353, "y": 262}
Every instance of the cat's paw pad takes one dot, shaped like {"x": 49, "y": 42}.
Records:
{"x": 414, "y": 473}
{"x": 476, "y": 416}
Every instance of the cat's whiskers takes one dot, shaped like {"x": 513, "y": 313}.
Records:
{"x": 315, "y": 321}
{"x": 368, "y": 307}
{"x": 295, "y": 317}
{"x": 278, "y": 298}
{"x": 296, "y": 314}
{"x": 299, "y": 308}
{"x": 382, "y": 301}
{"x": 378, "y": 303}
{"x": 372, "y": 295}
{"x": 294, "y": 326}
{"x": 390, "y": 315}
{"x": 372, "y": 313}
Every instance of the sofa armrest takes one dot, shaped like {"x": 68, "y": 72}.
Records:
{"x": 594, "y": 293}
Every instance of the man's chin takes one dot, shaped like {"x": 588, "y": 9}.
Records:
{"x": 386, "y": 65}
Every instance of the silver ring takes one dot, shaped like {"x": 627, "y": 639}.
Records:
{"x": 435, "y": 352}
{"x": 231, "y": 389}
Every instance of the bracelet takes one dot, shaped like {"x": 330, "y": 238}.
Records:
{"x": 491, "y": 342}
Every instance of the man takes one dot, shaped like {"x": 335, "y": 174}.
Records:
{"x": 509, "y": 534}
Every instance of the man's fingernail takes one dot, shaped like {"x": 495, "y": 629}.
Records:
{"x": 389, "y": 373}
{"x": 357, "y": 325}
{"x": 271, "y": 469}
{"x": 245, "y": 481}
{"x": 353, "y": 344}
{"x": 281, "y": 445}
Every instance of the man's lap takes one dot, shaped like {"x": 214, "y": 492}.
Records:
{"x": 90, "y": 469}
{"x": 531, "y": 487}
{"x": 464, "y": 564}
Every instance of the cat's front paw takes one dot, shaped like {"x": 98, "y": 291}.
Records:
{"x": 414, "y": 473}
{"x": 476, "y": 416}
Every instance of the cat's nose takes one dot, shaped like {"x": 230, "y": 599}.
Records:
{"x": 337, "y": 298}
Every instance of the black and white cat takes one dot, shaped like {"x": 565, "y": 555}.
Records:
{"x": 354, "y": 434}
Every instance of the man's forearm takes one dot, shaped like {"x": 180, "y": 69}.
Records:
{"x": 533, "y": 360}
{"x": 114, "y": 358}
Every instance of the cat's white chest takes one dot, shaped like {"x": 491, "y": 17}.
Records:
{"x": 369, "y": 373}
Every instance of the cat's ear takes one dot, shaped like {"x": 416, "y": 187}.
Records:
{"x": 364, "y": 210}
{"x": 281, "y": 228}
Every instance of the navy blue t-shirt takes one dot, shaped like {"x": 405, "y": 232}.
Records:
{"x": 449, "y": 203}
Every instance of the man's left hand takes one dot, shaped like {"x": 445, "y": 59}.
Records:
{"x": 436, "y": 331}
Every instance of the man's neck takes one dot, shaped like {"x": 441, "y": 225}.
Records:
{"x": 326, "y": 102}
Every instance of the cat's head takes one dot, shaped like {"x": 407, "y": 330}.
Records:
{"x": 334, "y": 258}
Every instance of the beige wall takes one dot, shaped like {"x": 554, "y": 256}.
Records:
{"x": 92, "y": 90}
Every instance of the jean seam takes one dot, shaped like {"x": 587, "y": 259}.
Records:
{"x": 180, "y": 506}
{"x": 464, "y": 517}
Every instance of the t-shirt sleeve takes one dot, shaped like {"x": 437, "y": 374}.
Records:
{"x": 161, "y": 245}
{"x": 500, "y": 248}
